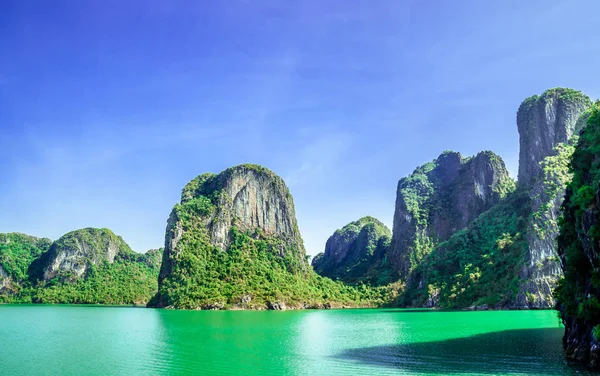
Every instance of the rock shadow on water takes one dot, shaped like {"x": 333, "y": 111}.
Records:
{"x": 526, "y": 351}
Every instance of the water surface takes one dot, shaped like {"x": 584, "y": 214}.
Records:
{"x": 84, "y": 340}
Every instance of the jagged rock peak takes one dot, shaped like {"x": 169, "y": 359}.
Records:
{"x": 440, "y": 198}
{"x": 543, "y": 122}
{"x": 353, "y": 249}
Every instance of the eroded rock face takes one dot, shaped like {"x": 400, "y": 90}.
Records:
{"x": 544, "y": 122}
{"x": 70, "y": 257}
{"x": 541, "y": 269}
{"x": 353, "y": 251}
{"x": 440, "y": 198}
{"x": 249, "y": 198}
{"x": 249, "y": 195}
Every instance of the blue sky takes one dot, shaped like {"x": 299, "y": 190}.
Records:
{"x": 108, "y": 108}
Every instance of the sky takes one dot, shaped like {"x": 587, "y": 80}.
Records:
{"x": 108, "y": 108}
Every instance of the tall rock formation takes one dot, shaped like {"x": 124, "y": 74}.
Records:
{"x": 578, "y": 294}
{"x": 544, "y": 122}
{"x": 507, "y": 257}
{"x": 546, "y": 125}
{"x": 233, "y": 242}
{"x": 440, "y": 198}
{"x": 247, "y": 197}
{"x": 357, "y": 253}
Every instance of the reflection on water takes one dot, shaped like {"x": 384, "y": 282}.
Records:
{"x": 75, "y": 340}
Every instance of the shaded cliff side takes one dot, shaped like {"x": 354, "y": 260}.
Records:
{"x": 17, "y": 252}
{"x": 233, "y": 242}
{"x": 548, "y": 126}
{"x": 440, "y": 198}
{"x": 578, "y": 293}
{"x": 357, "y": 253}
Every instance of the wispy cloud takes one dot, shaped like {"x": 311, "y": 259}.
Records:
{"x": 320, "y": 155}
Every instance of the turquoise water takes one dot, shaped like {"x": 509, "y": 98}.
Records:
{"x": 84, "y": 340}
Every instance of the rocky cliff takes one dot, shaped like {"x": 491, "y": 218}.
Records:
{"x": 440, "y": 198}
{"x": 93, "y": 266}
{"x": 544, "y": 122}
{"x": 578, "y": 294}
{"x": 233, "y": 242}
{"x": 247, "y": 197}
{"x": 507, "y": 257}
{"x": 357, "y": 253}
{"x": 479, "y": 265}
{"x": 71, "y": 256}
{"x": 541, "y": 267}
{"x": 547, "y": 125}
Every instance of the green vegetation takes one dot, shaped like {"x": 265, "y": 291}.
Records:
{"x": 506, "y": 185}
{"x": 578, "y": 293}
{"x": 251, "y": 274}
{"x": 88, "y": 246}
{"x": 130, "y": 279}
{"x": 440, "y": 195}
{"x": 17, "y": 252}
{"x": 556, "y": 170}
{"x": 416, "y": 190}
{"x": 363, "y": 244}
{"x": 257, "y": 270}
{"x": 561, "y": 93}
{"x": 567, "y": 94}
{"x": 479, "y": 264}
{"x": 555, "y": 177}
{"x": 418, "y": 193}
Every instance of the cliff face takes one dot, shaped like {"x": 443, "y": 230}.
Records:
{"x": 92, "y": 266}
{"x": 356, "y": 253}
{"x": 247, "y": 197}
{"x": 440, "y": 198}
{"x": 507, "y": 257}
{"x": 479, "y": 265}
{"x": 541, "y": 267}
{"x": 253, "y": 197}
{"x": 233, "y": 242}
{"x": 71, "y": 256}
{"x": 578, "y": 294}
{"x": 546, "y": 127}
{"x": 544, "y": 122}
